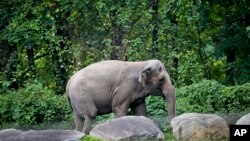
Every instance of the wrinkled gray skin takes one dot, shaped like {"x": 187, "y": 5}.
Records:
{"x": 116, "y": 86}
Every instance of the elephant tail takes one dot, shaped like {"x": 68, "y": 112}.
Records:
{"x": 69, "y": 103}
{"x": 67, "y": 93}
{"x": 68, "y": 98}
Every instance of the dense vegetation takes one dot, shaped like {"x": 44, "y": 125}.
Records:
{"x": 34, "y": 104}
{"x": 203, "y": 43}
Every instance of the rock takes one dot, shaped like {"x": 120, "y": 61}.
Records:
{"x": 198, "y": 127}
{"x": 9, "y": 133}
{"x": 245, "y": 120}
{"x": 40, "y": 135}
{"x": 128, "y": 128}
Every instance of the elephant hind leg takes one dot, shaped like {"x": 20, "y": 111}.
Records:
{"x": 87, "y": 125}
{"x": 87, "y": 112}
{"x": 79, "y": 121}
{"x": 90, "y": 115}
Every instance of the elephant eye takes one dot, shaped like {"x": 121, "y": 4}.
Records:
{"x": 162, "y": 80}
{"x": 160, "y": 69}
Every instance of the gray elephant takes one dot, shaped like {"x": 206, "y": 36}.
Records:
{"x": 116, "y": 86}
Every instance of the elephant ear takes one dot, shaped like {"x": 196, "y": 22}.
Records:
{"x": 145, "y": 75}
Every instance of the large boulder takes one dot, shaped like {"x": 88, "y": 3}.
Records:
{"x": 128, "y": 128}
{"x": 40, "y": 135}
{"x": 198, "y": 127}
{"x": 8, "y": 134}
{"x": 245, "y": 120}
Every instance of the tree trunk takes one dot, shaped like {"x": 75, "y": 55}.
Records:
{"x": 117, "y": 37}
{"x": 60, "y": 63}
{"x": 31, "y": 61}
{"x": 9, "y": 63}
{"x": 155, "y": 30}
{"x": 175, "y": 48}
{"x": 231, "y": 57}
{"x": 203, "y": 56}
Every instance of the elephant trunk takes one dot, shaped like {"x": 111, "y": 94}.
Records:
{"x": 169, "y": 93}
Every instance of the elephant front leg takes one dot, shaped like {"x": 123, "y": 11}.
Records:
{"x": 139, "y": 108}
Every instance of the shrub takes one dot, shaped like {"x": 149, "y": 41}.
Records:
{"x": 91, "y": 138}
{"x": 236, "y": 98}
{"x": 199, "y": 97}
{"x": 210, "y": 96}
{"x": 37, "y": 104}
{"x": 5, "y": 111}
{"x": 190, "y": 70}
{"x": 207, "y": 96}
{"x": 155, "y": 106}
{"x": 33, "y": 104}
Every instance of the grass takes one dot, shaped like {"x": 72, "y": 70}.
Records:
{"x": 168, "y": 134}
{"x": 91, "y": 138}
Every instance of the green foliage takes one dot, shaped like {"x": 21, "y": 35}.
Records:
{"x": 218, "y": 71}
{"x": 167, "y": 131}
{"x": 33, "y": 104}
{"x": 5, "y": 114}
{"x": 155, "y": 106}
{"x": 202, "y": 97}
{"x": 91, "y": 138}
{"x": 207, "y": 96}
{"x": 103, "y": 118}
{"x": 235, "y": 98}
{"x": 194, "y": 39}
{"x": 211, "y": 97}
{"x": 232, "y": 40}
{"x": 190, "y": 71}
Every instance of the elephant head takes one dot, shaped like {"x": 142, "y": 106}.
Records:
{"x": 155, "y": 79}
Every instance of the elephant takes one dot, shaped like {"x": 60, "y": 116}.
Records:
{"x": 115, "y": 86}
